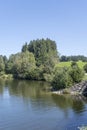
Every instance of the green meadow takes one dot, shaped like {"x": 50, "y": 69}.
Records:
{"x": 68, "y": 63}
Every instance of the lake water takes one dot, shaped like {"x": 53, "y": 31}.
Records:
{"x": 26, "y": 105}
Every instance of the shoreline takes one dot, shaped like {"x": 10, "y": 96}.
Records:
{"x": 77, "y": 89}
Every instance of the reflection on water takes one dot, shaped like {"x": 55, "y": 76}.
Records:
{"x": 25, "y": 105}
{"x": 65, "y": 102}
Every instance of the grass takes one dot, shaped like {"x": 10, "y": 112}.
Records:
{"x": 67, "y": 64}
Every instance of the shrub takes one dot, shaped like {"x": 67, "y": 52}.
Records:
{"x": 76, "y": 73}
{"x": 61, "y": 79}
{"x": 66, "y": 77}
{"x": 85, "y": 68}
{"x": 48, "y": 77}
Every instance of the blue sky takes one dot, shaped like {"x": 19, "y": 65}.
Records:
{"x": 64, "y": 21}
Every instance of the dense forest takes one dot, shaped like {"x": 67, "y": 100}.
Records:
{"x": 37, "y": 61}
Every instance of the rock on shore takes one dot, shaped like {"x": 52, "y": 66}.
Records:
{"x": 80, "y": 88}
{"x": 77, "y": 89}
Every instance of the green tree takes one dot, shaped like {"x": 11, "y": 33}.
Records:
{"x": 46, "y": 56}
{"x": 85, "y": 68}
{"x": 2, "y": 65}
{"x": 76, "y": 73}
{"x": 45, "y": 51}
{"x": 24, "y": 65}
{"x": 21, "y": 65}
{"x": 10, "y": 63}
{"x": 25, "y": 47}
{"x": 62, "y": 79}
{"x": 73, "y": 58}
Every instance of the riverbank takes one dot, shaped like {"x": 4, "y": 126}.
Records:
{"x": 77, "y": 89}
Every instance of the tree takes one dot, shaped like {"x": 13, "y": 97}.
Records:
{"x": 66, "y": 77}
{"x": 85, "y": 68}
{"x": 63, "y": 58}
{"x": 46, "y": 56}
{"x": 73, "y": 58}
{"x": 10, "y": 63}
{"x": 76, "y": 73}
{"x": 25, "y": 47}
{"x": 2, "y": 64}
{"x": 21, "y": 65}
{"x": 5, "y": 62}
{"x": 62, "y": 79}
{"x": 43, "y": 50}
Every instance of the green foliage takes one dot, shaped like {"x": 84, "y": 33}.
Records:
{"x": 9, "y": 65}
{"x": 74, "y": 64}
{"x": 36, "y": 61}
{"x": 2, "y": 64}
{"x": 85, "y": 68}
{"x": 76, "y": 73}
{"x": 45, "y": 52}
{"x": 66, "y": 77}
{"x": 6, "y": 76}
{"x": 24, "y": 65}
{"x": 25, "y": 47}
{"x": 48, "y": 77}
{"x": 46, "y": 56}
{"x": 73, "y": 58}
{"x": 68, "y": 64}
{"x": 21, "y": 65}
{"x": 61, "y": 79}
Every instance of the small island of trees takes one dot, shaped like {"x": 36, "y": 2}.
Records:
{"x": 38, "y": 61}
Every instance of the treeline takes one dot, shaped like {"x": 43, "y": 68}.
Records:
{"x": 35, "y": 61}
{"x": 73, "y": 58}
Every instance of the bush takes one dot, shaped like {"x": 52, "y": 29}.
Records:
{"x": 61, "y": 79}
{"x": 66, "y": 77}
{"x": 85, "y": 68}
{"x": 76, "y": 73}
{"x": 48, "y": 77}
